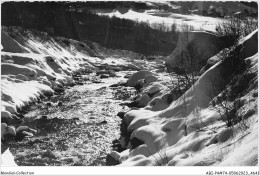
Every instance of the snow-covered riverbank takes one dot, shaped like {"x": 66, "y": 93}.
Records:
{"x": 53, "y": 84}
{"x": 160, "y": 128}
{"x": 192, "y": 130}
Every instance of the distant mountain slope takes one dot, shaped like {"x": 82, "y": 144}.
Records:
{"x": 230, "y": 6}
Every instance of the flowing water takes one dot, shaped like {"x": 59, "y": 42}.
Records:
{"x": 76, "y": 128}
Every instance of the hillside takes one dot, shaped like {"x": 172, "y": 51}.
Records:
{"x": 149, "y": 28}
{"x": 114, "y": 33}
{"x": 195, "y": 129}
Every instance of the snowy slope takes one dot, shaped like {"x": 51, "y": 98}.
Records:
{"x": 30, "y": 59}
{"x": 190, "y": 131}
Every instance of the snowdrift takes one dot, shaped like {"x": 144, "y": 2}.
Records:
{"x": 195, "y": 44}
{"x": 190, "y": 131}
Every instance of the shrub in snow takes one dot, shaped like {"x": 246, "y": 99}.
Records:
{"x": 235, "y": 79}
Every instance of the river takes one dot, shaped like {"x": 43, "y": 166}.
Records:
{"x": 76, "y": 128}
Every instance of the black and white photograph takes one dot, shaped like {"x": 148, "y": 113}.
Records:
{"x": 129, "y": 83}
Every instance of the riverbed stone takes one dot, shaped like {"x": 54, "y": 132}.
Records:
{"x": 133, "y": 80}
{"x": 121, "y": 114}
{"x": 110, "y": 161}
{"x": 104, "y": 76}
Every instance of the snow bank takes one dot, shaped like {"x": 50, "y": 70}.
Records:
{"x": 22, "y": 93}
{"x": 189, "y": 131}
{"x": 154, "y": 89}
{"x": 7, "y": 159}
{"x": 15, "y": 69}
{"x": 159, "y": 103}
{"x": 33, "y": 66}
{"x": 249, "y": 47}
{"x": 38, "y": 63}
{"x": 10, "y": 45}
{"x": 200, "y": 45}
